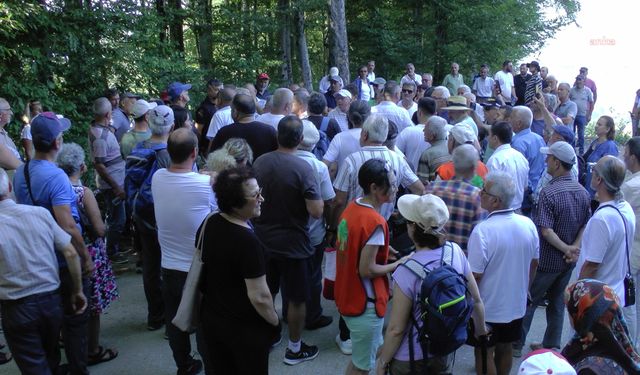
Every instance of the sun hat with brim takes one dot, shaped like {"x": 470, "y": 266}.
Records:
{"x": 457, "y": 103}
{"x": 562, "y": 151}
{"x": 544, "y": 362}
{"x": 47, "y": 126}
{"x": 427, "y": 211}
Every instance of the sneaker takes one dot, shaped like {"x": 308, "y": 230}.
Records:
{"x": 119, "y": 259}
{"x": 517, "y": 352}
{"x": 344, "y": 346}
{"x": 321, "y": 322}
{"x": 193, "y": 369}
{"x": 306, "y": 353}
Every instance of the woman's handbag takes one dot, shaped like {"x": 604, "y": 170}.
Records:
{"x": 187, "y": 317}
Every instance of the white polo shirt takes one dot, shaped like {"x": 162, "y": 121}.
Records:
{"x": 412, "y": 144}
{"x": 270, "y": 119}
{"x": 392, "y": 112}
{"x": 603, "y": 242}
{"x": 501, "y": 248}
{"x": 343, "y": 145}
{"x": 511, "y": 161}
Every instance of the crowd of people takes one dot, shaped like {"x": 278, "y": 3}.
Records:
{"x": 488, "y": 176}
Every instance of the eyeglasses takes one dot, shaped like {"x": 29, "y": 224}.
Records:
{"x": 484, "y": 191}
{"x": 255, "y": 195}
{"x": 407, "y": 91}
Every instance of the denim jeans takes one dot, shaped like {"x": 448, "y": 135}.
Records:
{"x": 579, "y": 123}
{"x": 180, "y": 343}
{"x": 554, "y": 283}
{"x": 32, "y": 327}
{"x": 151, "y": 279}
{"x": 115, "y": 220}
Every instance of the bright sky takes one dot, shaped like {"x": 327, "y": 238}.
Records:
{"x": 605, "y": 41}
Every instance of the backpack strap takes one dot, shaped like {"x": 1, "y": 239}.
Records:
{"x": 447, "y": 245}
{"x": 27, "y": 180}
{"x": 324, "y": 125}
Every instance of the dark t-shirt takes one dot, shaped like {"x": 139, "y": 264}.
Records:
{"x": 231, "y": 254}
{"x": 332, "y": 128}
{"x": 262, "y": 138}
{"x": 520, "y": 84}
{"x": 331, "y": 100}
{"x": 204, "y": 113}
{"x": 286, "y": 182}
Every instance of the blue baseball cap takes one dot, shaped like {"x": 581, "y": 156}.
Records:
{"x": 47, "y": 126}
{"x": 565, "y": 132}
{"x": 176, "y": 88}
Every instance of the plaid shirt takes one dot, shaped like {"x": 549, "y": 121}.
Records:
{"x": 564, "y": 206}
{"x": 463, "y": 201}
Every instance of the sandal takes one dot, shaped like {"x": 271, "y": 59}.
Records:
{"x": 103, "y": 355}
{"x": 5, "y": 357}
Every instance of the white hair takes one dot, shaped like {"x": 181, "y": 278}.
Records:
{"x": 377, "y": 128}
{"x": 4, "y": 184}
{"x": 281, "y": 97}
{"x": 502, "y": 187}
{"x": 444, "y": 92}
{"x": 523, "y": 114}
{"x": 70, "y": 158}
{"x": 465, "y": 89}
{"x": 465, "y": 158}
{"x": 436, "y": 126}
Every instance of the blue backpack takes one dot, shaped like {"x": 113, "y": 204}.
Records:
{"x": 445, "y": 306}
{"x": 140, "y": 166}
{"x": 323, "y": 143}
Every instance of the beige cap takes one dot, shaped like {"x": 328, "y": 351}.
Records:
{"x": 428, "y": 211}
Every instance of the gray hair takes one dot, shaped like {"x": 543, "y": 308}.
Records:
{"x": 220, "y": 160}
{"x": 281, "y": 97}
{"x": 101, "y": 106}
{"x": 465, "y": 158}
{"x": 523, "y": 114}
{"x": 377, "y": 127}
{"x": 410, "y": 83}
{"x": 4, "y": 184}
{"x": 612, "y": 173}
{"x": 436, "y": 126}
{"x": 243, "y": 91}
{"x": 465, "y": 88}
{"x": 566, "y": 85}
{"x": 502, "y": 187}
{"x": 442, "y": 90}
{"x": 70, "y": 158}
{"x": 239, "y": 149}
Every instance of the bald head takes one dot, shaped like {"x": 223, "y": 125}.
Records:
{"x": 181, "y": 145}
{"x": 282, "y": 101}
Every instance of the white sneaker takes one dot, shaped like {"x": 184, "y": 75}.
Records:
{"x": 344, "y": 346}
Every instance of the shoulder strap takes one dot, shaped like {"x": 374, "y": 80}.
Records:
{"x": 324, "y": 125}
{"x": 201, "y": 235}
{"x": 447, "y": 245}
{"x": 626, "y": 238}
{"x": 27, "y": 180}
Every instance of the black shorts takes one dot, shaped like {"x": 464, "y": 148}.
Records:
{"x": 501, "y": 333}
{"x": 292, "y": 275}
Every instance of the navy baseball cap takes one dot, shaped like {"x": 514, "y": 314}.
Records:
{"x": 176, "y": 88}
{"x": 47, "y": 126}
{"x": 565, "y": 132}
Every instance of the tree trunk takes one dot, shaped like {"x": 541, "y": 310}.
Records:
{"x": 439, "y": 63}
{"x": 338, "y": 43}
{"x": 285, "y": 40}
{"x": 203, "y": 30}
{"x": 303, "y": 54}
{"x": 163, "y": 19}
{"x": 175, "y": 26}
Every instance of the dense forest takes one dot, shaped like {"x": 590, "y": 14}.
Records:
{"x": 67, "y": 52}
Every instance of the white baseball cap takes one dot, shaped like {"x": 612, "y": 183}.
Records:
{"x": 562, "y": 151}
{"x": 344, "y": 93}
{"x": 462, "y": 133}
{"x": 141, "y": 107}
{"x": 428, "y": 211}
{"x": 544, "y": 362}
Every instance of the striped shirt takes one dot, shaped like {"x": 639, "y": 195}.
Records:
{"x": 28, "y": 263}
{"x": 463, "y": 201}
{"x": 564, "y": 206}
{"x": 347, "y": 178}
{"x": 431, "y": 159}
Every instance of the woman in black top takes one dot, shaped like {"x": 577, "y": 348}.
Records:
{"x": 238, "y": 315}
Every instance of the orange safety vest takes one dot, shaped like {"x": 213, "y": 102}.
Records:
{"x": 446, "y": 171}
{"x": 357, "y": 225}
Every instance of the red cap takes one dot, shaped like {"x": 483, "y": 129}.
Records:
{"x": 263, "y": 76}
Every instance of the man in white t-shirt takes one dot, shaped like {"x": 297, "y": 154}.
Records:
{"x": 509, "y": 160}
{"x": 371, "y": 67}
{"x": 390, "y": 110}
{"x": 408, "y": 93}
{"x": 339, "y": 113}
{"x": 281, "y": 105}
{"x": 503, "y": 253}
{"x": 222, "y": 117}
{"x": 182, "y": 199}
{"x": 608, "y": 236}
{"x": 483, "y": 85}
{"x": 411, "y": 76}
{"x": 505, "y": 79}
{"x": 411, "y": 140}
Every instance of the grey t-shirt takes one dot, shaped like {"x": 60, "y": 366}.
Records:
{"x": 283, "y": 225}
{"x": 567, "y": 109}
{"x": 121, "y": 123}
{"x": 582, "y": 98}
